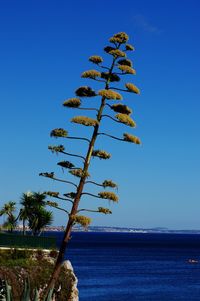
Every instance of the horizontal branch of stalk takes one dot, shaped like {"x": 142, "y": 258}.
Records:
{"x": 63, "y": 199}
{"x": 111, "y": 136}
{"x": 77, "y": 138}
{"x": 73, "y": 155}
{"x": 110, "y": 117}
{"x": 59, "y": 180}
{"x": 59, "y": 208}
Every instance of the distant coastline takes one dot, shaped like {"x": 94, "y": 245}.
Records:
{"x": 116, "y": 229}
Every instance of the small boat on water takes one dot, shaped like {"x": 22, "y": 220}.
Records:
{"x": 193, "y": 261}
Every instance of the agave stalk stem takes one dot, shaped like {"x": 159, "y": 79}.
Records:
{"x": 80, "y": 187}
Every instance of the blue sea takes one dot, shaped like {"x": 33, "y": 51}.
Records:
{"x": 129, "y": 266}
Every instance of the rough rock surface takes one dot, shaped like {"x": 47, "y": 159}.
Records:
{"x": 74, "y": 290}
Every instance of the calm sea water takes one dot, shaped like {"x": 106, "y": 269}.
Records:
{"x": 128, "y": 266}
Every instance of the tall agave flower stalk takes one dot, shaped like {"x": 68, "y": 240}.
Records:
{"x": 108, "y": 76}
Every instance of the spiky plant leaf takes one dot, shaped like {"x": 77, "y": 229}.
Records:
{"x": 131, "y": 138}
{"x": 84, "y": 120}
{"x": 125, "y": 119}
{"x": 96, "y": 59}
{"x": 129, "y": 47}
{"x": 47, "y": 174}
{"x": 120, "y": 37}
{"x": 81, "y": 220}
{"x": 54, "y": 194}
{"x": 125, "y": 62}
{"x": 101, "y": 154}
{"x": 56, "y": 148}
{"x": 108, "y": 195}
{"x": 111, "y": 77}
{"x": 109, "y": 183}
{"x": 85, "y": 91}
{"x": 72, "y": 103}
{"x": 117, "y": 53}
{"x": 65, "y": 164}
{"x": 121, "y": 109}
{"x": 91, "y": 74}
{"x": 132, "y": 88}
{"x": 50, "y": 295}
{"x": 79, "y": 173}
{"x": 110, "y": 94}
{"x": 127, "y": 69}
{"x": 104, "y": 210}
{"x": 58, "y": 133}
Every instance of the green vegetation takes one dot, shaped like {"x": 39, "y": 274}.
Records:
{"x": 26, "y": 271}
{"x": 32, "y": 212}
{"x": 11, "y": 221}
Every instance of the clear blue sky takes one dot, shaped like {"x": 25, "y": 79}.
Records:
{"x": 44, "y": 49}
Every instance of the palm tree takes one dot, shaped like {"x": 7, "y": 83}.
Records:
{"x": 33, "y": 211}
{"x": 8, "y": 210}
{"x": 40, "y": 219}
{"x": 10, "y": 223}
{"x": 27, "y": 204}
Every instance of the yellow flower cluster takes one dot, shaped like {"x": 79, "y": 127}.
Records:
{"x": 127, "y": 69}
{"x": 84, "y": 120}
{"x": 129, "y": 47}
{"x": 111, "y": 77}
{"x": 104, "y": 210}
{"x": 47, "y": 174}
{"x": 132, "y": 88}
{"x": 117, "y": 53}
{"x": 85, "y": 91}
{"x": 72, "y": 103}
{"x": 70, "y": 195}
{"x": 120, "y": 37}
{"x": 52, "y": 193}
{"x": 101, "y": 154}
{"x": 79, "y": 173}
{"x": 65, "y": 164}
{"x": 109, "y": 183}
{"x": 91, "y": 74}
{"x": 108, "y": 195}
{"x": 121, "y": 109}
{"x": 123, "y": 118}
{"x": 125, "y": 62}
{"x": 110, "y": 94}
{"x": 81, "y": 220}
{"x": 52, "y": 204}
{"x": 96, "y": 59}
{"x": 56, "y": 148}
{"x": 131, "y": 138}
{"x": 107, "y": 49}
{"x": 58, "y": 133}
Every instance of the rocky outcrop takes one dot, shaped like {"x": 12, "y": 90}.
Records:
{"x": 74, "y": 281}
